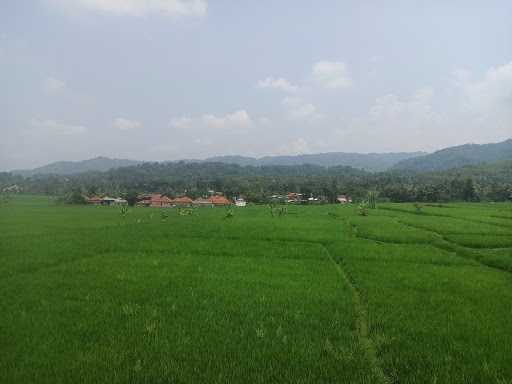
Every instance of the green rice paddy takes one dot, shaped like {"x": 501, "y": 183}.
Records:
{"x": 320, "y": 295}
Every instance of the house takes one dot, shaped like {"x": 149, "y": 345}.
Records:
{"x": 220, "y": 201}
{"x": 12, "y": 189}
{"x": 94, "y": 200}
{"x": 183, "y": 201}
{"x": 344, "y": 199}
{"x": 144, "y": 200}
{"x": 155, "y": 200}
{"x": 113, "y": 201}
{"x": 240, "y": 202}
{"x": 202, "y": 202}
{"x": 161, "y": 201}
{"x": 108, "y": 200}
{"x": 278, "y": 199}
{"x": 293, "y": 197}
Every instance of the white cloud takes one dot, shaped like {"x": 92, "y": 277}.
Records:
{"x": 278, "y": 83}
{"x": 138, "y": 7}
{"x": 236, "y": 120}
{"x": 483, "y": 107}
{"x": 332, "y": 74}
{"x": 126, "y": 124}
{"x": 232, "y": 133}
{"x": 493, "y": 92}
{"x": 393, "y": 123}
{"x": 55, "y": 127}
{"x": 295, "y": 147}
{"x": 417, "y": 108}
{"x": 264, "y": 121}
{"x": 461, "y": 76}
{"x": 299, "y": 110}
{"x": 52, "y": 86}
{"x": 181, "y": 122}
{"x": 467, "y": 109}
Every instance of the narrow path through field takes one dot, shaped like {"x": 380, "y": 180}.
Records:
{"x": 361, "y": 322}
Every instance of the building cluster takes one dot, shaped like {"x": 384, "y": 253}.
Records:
{"x": 215, "y": 200}
{"x": 300, "y": 198}
{"x": 97, "y": 200}
{"x": 12, "y": 189}
{"x": 163, "y": 201}
{"x": 158, "y": 200}
{"x": 344, "y": 199}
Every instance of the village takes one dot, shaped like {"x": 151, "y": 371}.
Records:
{"x": 157, "y": 200}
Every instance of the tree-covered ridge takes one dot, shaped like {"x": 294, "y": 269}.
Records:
{"x": 453, "y": 157}
{"x": 374, "y": 162}
{"x": 470, "y": 183}
{"x": 369, "y": 161}
{"x": 71, "y": 167}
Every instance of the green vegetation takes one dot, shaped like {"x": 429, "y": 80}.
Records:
{"x": 453, "y": 157}
{"x": 73, "y": 167}
{"x": 491, "y": 182}
{"x": 311, "y": 294}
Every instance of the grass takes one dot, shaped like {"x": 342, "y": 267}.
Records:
{"x": 318, "y": 295}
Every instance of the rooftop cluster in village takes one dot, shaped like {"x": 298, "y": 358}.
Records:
{"x": 300, "y": 198}
{"x": 214, "y": 200}
{"x": 158, "y": 200}
{"x": 163, "y": 201}
{"x": 106, "y": 200}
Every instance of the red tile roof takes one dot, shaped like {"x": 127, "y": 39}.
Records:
{"x": 220, "y": 200}
{"x": 202, "y": 200}
{"x": 156, "y": 200}
{"x": 182, "y": 200}
{"x": 94, "y": 199}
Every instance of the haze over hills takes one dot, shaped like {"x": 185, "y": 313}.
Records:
{"x": 71, "y": 167}
{"x": 488, "y": 180}
{"x": 459, "y": 156}
{"x": 444, "y": 159}
{"x": 369, "y": 161}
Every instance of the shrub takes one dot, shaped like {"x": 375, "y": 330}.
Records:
{"x": 123, "y": 211}
{"x": 363, "y": 209}
{"x": 229, "y": 213}
{"x": 74, "y": 197}
{"x": 419, "y": 208}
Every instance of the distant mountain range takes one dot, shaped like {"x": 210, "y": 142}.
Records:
{"x": 448, "y": 158}
{"x": 459, "y": 156}
{"x": 71, "y": 167}
{"x": 369, "y": 161}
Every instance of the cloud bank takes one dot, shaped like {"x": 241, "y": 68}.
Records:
{"x": 137, "y": 8}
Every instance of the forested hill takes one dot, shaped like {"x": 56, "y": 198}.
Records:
{"x": 72, "y": 167}
{"x": 373, "y": 162}
{"x": 257, "y": 184}
{"x": 453, "y": 157}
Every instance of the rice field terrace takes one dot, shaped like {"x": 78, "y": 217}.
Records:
{"x": 407, "y": 294}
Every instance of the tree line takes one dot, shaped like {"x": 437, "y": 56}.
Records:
{"x": 488, "y": 182}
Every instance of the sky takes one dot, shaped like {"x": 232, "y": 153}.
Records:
{"x": 173, "y": 79}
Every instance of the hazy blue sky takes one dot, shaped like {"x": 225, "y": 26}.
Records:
{"x": 170, "y": 79}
